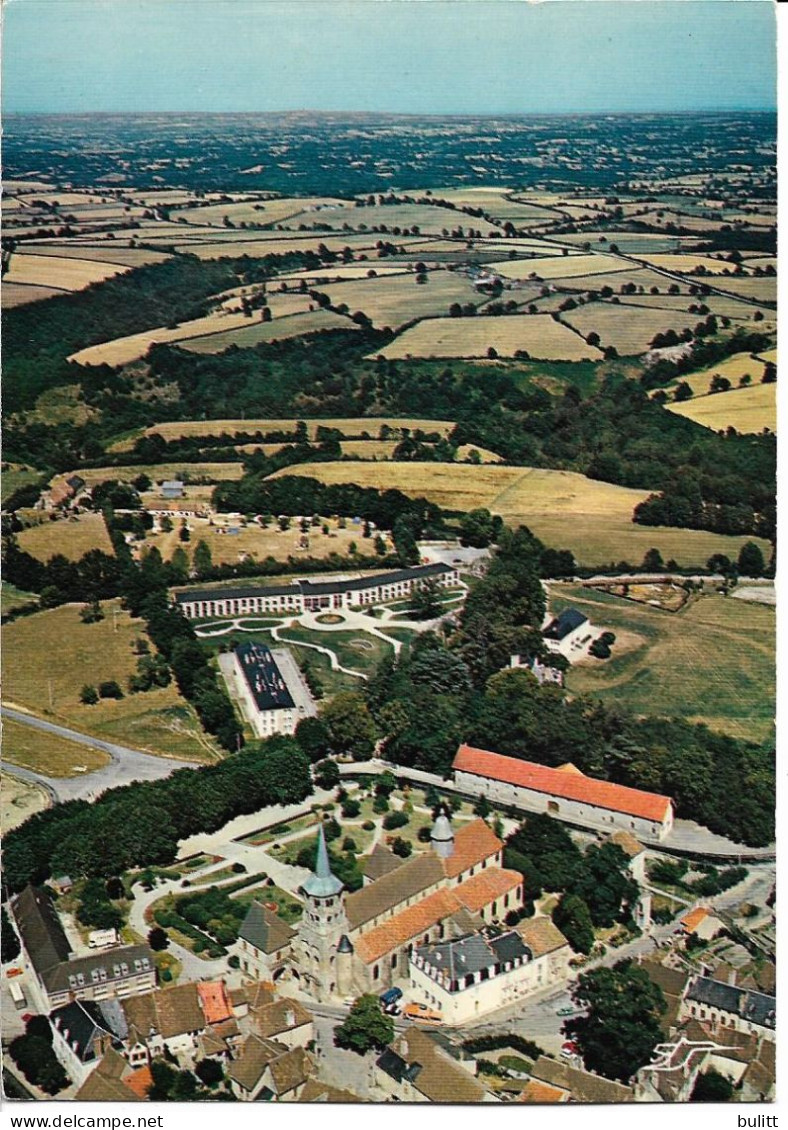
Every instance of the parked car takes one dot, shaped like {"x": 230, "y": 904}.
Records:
{"x": 422, "y": 1015}
{"x": 566, "y": 1010}
{"x": 391, "y": 996}
{"x": 569, "y": 1049}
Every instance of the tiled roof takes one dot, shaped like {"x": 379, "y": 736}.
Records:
{"x": 140, "y": 1081}
{"x": 439, "y": 1078}
{"x": 107, "y": 1083}
{"x": 170, "y": 1012}
{"x": 381, "y": 862}
{"x": 86, "y": 1022}
{"x": 408, "y": 924}
{"x": 471, "y": 895}
{"x": 279, "y": 1016}
{"x": 472, "y": 843}
{"x": 487, "y": 886}
{"x": 255, "y": 1055}
{"x": 583, "y": 1085}
{"x": 693, "y": 918}
{"x": 214, "y": 1002}
{"x": 757, "y": 1008}
{"x": 535, "y": 1091}
{"x": 115, "y": 964}
{"x": 541, "y": 935}
{"x": 316, "y": 1092}
{"x": 290, "y": 1070}
{"x": 416, "y": 875}
{"x": 264, "y": 929}
{"x": 42, "y": 934}
{"x": 570, "y": 786}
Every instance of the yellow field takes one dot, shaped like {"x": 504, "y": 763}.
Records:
{"x": 277, "y": 330}
{"x": 685, "y": 264}
{"x": 20, "y": 800}
{"x": 560, "y": 266}
{"x": 64, "y": 274}
{"x": 332, "y": 272}
{"x": 747, "y": 410}
{"x": 72, "y": 537}
{"x": 565, "y": 509}
{"x": 760, "y": 290}
{"x": 107, "y": 253}
{"x": 125, "y": 349}
{"x": 261, "y": 211}
{"x": 53, "y": 652}
{"x": 257, "y": 543}
{"x": 769, "y": 355}
{"x": 277, "y": 244}
{"x": 498, "y": 202}
{"x": 720, "y": 305}
{"x": 159, "y": 472}
{"x": 538, "y": 334}
{"x": 629, "y": 329}
{"x": 47, "y": 753}
{"x": 394, "y": 300}
{"x": 733, "y": 368}
{"x": 18, "y": 294}
{"x": 353, "y": 427}
{"x": 430, "y": 220}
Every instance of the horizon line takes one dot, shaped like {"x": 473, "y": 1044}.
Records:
{"x": 396, "y": 113}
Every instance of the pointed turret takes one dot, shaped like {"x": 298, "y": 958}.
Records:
{"x": 322, "y": 883}
{"x": 442, "y": 836}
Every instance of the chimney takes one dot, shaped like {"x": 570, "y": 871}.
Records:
{"x": 731, "y": 976}
{"x": 290, "y": 1018}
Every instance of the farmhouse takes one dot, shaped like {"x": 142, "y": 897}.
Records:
{"x": 264, "y": 695}
{"x": 61, "y": 976}
{"x": 311, "y": 596}
{"x": 567, "y": 634}
{"x": 564, "y": 792}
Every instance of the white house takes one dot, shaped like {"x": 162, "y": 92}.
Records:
{"x": 720, "y": 1005}
{"x": 565, "y": 792}
{"x": 568, "y": 634}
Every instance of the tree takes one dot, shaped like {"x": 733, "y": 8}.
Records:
{"x": 9, "y": 942}
{"x": 683, "y": 391}
{"x": 719, "y": 383}
{"x": 88, "y": 696}
{"x": 711, "y": 1087}
{"x": 365, "y": 1027}
{"x": 402, "y": 848}
{"x": 158, "y": 939}
{"x": 750, "y": 563}
{"x": 326, "y": 774}
{"x": 573, "y": 919}
{"x": 350, "y": 726}
{"x": 203, "y": 561}
{"x": 652, "y": 561}
{"x": 313, "y": 737}
{"x": 110, "y": 688}
{"x": 425, "y": 600}
{"x": 209, "y": 1072}
{"x": 621, "y": 1028}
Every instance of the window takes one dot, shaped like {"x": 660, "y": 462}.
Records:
{"x": 552, "y": 806}
{"x": 376, "y": 973}
{"x": 394, "y": 961}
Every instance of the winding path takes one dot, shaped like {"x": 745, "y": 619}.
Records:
{"x": 126, "y": 764}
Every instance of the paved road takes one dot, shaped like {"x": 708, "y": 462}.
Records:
{"x": 126, "y": 765}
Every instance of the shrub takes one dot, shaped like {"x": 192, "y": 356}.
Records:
{"x": 110, "y": 688}
{"x": 401, "y": 847}
{"x": 351, "y": 808}
{"x": 368, "y": 825}
{"x": 395, "y": 820}
{"x": 424, "y": 835}
{"x": 349, "y": 844}
{"x": 380, "y": 804}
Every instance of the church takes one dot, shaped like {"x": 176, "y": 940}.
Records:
{"x": 355, "y": 942}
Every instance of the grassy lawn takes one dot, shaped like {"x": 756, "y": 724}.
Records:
{"x": 288, "y": 907}
{"x": 711, "y": 662}
{"x": 159, "y": 721}
{"x": 47, "y": 753}
{"x": 72, "y": 537}
{"x": 271, "y": 835}
{"x": 20, "y": 799}
{"x": 355, "y": 650}
{"x": 11, "y": 597}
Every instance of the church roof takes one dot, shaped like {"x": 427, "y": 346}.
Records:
{"x": 322, "y": 883}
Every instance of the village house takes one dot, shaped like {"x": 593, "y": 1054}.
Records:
{"x": 167, "y": 1020}
{"x": 565, "y": 793}
{"x": 415, "y": 1069}
{"x": 267, "y": 1070}
{"x": 701, "y": 922}
{"x": 542, "y": 672}
{"x": 265, "y": 944}
{"x": 83, "y": 1031}
{"x": 311, "y": 596}
{"x": 580, "y": 1085}
{"x": 112, "y": 1080}
{"x": 747, "y": 1061}
{"x": 635, "y": 853}
{"x": 719, "y": 1005}
{"x": 568, "y": 634}
{"x": 285, "y": 1020}
{"x": 60, "y": 976}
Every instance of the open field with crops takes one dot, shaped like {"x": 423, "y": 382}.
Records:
{"x": 396, "y": 299}
{"x": 19, "y": 801}
{"x": 159, "y": 472}
{"x": 49, "y": 657}
{"x": 536, "y": 334}
{"x": 733, "y": 368}
{"x": 18, "y": 294}
{"x": 566, "y": 510}
{"x": 125, "y": 349}
{"x": 629, "y": 243}
{"x": 560, "y": 266}
{"x": 60, "y": 273}
{"x": 106, "y": 253}
{"x": 745, "y": 409}
{"x": 277, "y": 330}
{"x": 711, "y": 662}
{"x": 427, "y": 219}
{"x": 758, "y": 290}
{"x": 686, "y": 263}
{"x": 47, "y": 753}
{"x": 274, "y": 211}
{"x": 628, "y": 329}
{"x": 71, "y": 537}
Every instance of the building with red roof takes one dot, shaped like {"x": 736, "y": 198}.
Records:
{"x": 565, "y": 792}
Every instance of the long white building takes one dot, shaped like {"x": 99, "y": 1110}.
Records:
{"x": 311, "y": 596}
{"x": 565, "y": 792}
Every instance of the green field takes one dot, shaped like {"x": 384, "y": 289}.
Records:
{"x": 48, "y": 657}
{"x": 11, "y": 597}
{"x": 15, "y": 477}
{"x": 47, "y": 753}
{"x": 712, "y": 662}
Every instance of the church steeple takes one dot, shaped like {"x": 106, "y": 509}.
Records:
{"x": 322, "y": 883}
{"x": 442, "y": 836}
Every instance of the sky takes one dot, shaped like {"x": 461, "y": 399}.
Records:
{"x": 405, "y": 56}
